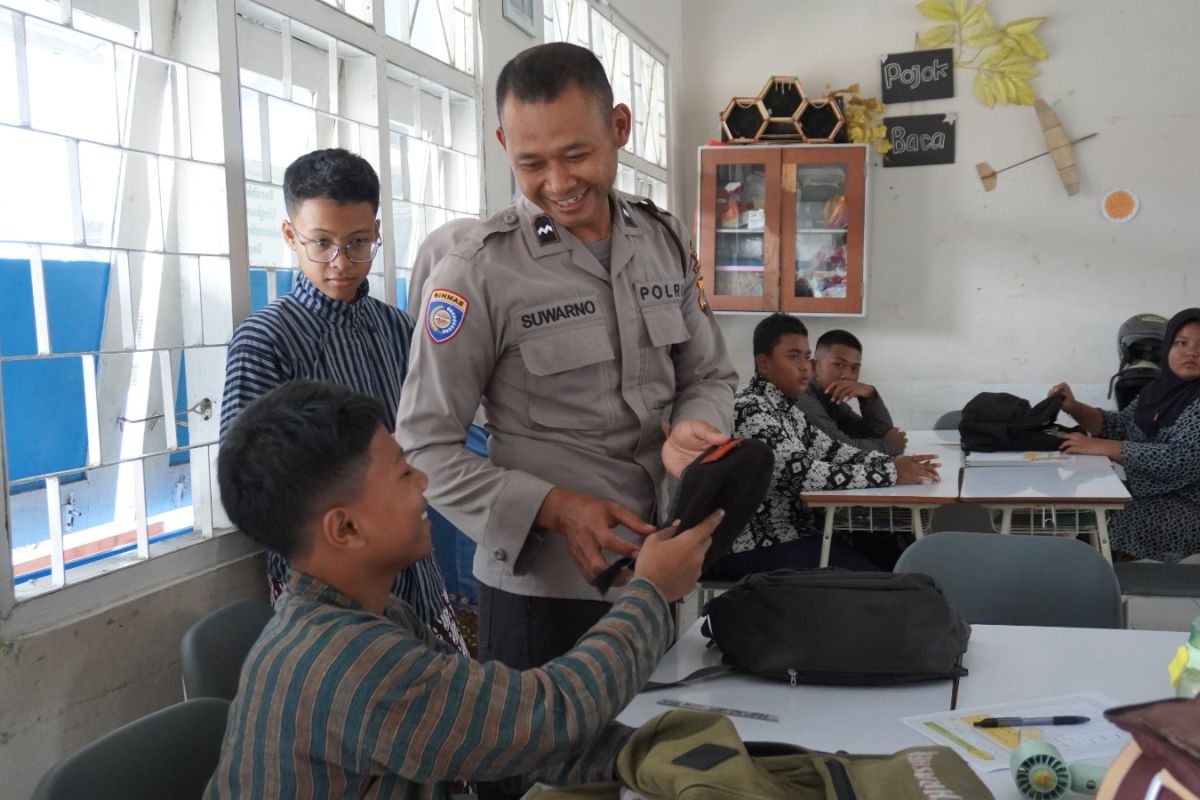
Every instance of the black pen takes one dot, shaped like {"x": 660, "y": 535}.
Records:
{"x": 1014, "y": 722}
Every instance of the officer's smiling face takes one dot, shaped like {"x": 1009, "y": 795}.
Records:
{"x": 564, "y": 156}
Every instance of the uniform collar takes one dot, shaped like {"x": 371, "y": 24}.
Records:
{"x": 545, "y": 237}
{"x": 328, "y": 309}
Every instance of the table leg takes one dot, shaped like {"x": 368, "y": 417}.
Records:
{"x": 827, "y": 536}
{"x": 1006, "y": 513}
{"x": 1102, "y": 532}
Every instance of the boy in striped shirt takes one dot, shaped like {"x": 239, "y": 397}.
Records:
{"x": 347, "y": 693}
{"x": 329, "y": 328}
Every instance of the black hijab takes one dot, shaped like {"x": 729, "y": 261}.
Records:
{"x": 1165, "y": 398}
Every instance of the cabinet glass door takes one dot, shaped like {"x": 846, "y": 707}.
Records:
{"x": 823, "y": 230}
{"x": 739, "y": 239}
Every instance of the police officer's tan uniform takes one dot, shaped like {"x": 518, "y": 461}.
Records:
{"x": 577, "y": 366}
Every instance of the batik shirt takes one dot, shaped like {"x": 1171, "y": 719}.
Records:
{"x": 361, "y": 345}
{"x": 806, "y": 459}
{"x": 335, "y": 701}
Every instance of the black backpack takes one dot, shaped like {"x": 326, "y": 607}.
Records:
{"x": 999, "y": 421}
{"x": 832, "y": 626}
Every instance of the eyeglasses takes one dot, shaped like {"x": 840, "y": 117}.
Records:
{"x": 323, "y": 251}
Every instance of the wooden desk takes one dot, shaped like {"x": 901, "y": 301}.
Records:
{"x": 1006, "y": 663}
{"x": 917, "y": 497}
{"x": 1009, "y": 488}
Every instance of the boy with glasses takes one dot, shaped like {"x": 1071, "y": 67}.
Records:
{"x": 329, "y": 328}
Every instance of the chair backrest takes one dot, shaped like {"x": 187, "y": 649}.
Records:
{"x": 212, "y": 650}
{"x": 1019, "y": 580}
{"x": 170, "y": 753}
{"x": 948, "y": 421}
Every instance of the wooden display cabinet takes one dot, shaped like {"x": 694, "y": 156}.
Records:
{"x": 783, "y": 227}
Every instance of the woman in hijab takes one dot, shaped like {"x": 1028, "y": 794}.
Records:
{"x": 1157, "y": 438}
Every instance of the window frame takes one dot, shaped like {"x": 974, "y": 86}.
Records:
{"x": 188, "y": 558}
{"x": 626, "y": 156}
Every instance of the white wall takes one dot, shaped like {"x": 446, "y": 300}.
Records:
{"x": 969, "y": 290}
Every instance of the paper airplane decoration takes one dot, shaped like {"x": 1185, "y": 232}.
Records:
{"x": 1061, "y": 150}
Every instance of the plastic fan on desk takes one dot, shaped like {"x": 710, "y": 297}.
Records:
{"x": 1041, "y": 773}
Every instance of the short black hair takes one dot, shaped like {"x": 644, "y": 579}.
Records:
{"x": 838, "y": 336}
{"x": 770, "y": 330}
{"x": 291, "y": 450}
{"x": 543, "y": 72}
{"x": 337, "y": 174}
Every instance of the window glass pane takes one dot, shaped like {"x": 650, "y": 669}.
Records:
{"x": 139, "y": 215}
{"x": 264, "y": 215}
{"x": 204, "y": 112}
{"x": 117, "y": 22}
{"x": 566, "y": 21}
{"x": 444, "y": 29}
{"x": 650, "y": 107}
{"x": 432, "y": 122}
{"x": 356, "y": 85}
{"x": 611, "y": 46}
{"x": 402, "y": 104}
{"x": 216, "y": 306}
{"x": 9, "y": 99}
{"x": 292, "y": 132}
{"x": 626, "y": 179}
{"x": 361, "y": 9}
{"x": 168, "y": 495}
{"x": 194, "y": 207}
{"x": 205, "y": 367}
{"x": 39, "y": 164}
{"x": 147, "y": 102}
{"x": 409, "y": 227}
{"x": 77, "y": 284}
{"x": 399, "y": 158}
{"x": 45, "y": 424}
{"x": 130, "y": 392}
{"x": 310, "y": 67}
{"x": 464, "y": 126}
{"x": 71, "y": 82}
{"x": 18, "y": 335}
{"x": 252, "y": 130}
{"x": 99, "y": 182}
{"x": 29, "y": 522}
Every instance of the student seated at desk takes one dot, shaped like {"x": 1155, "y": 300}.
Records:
{"x": 1157, "y": 439}
{"x": 826, "y": 405}
{"x": 347, "y": 693}
{"x": 781, "y": 532}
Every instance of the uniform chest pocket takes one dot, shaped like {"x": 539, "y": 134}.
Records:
{"x": 664, "y": 325}
{"x": 571, "y": 380}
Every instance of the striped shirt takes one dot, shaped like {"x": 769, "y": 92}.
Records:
{"x": 362, "y": 345}
{"x": 335, "y": 701}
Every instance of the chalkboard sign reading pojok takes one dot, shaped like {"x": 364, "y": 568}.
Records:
{"x": 919, "y": 140}
{"x": 920, "y": 75}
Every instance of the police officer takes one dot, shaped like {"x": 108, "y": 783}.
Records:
{"x": 578, "y": 318}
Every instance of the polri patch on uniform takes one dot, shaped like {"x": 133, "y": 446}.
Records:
{"x": 445, "y": 314}
{"x": 544, "y": 227}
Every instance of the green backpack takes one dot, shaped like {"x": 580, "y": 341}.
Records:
{"x": 692, "y": 755}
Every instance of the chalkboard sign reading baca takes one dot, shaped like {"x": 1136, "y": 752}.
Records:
{"x": 921, "y": 75}
{"x": 919, "y": 140}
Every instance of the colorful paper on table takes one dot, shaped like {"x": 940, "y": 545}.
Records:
{"x": 988, "y": 749}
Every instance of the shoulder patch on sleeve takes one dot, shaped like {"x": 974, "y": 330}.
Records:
{"x": 472, "y": 243}
{"x": 445, "y": 314}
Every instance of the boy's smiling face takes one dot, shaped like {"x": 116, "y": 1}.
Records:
{"x": 320, "y": 221}
{"x": 390, "y": 510}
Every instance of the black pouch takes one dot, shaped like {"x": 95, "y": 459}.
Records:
{"x": 999, "y": 421}
{"x": 831, "y": 626}
{"x": 733, "y": 476}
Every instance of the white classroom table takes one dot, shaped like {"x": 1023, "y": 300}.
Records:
{"x": 1009, "y": 488}
{"x": 918, "y": 497}
{"x": 1006, "y": 663}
